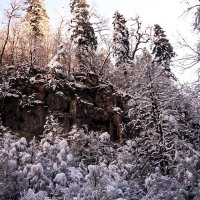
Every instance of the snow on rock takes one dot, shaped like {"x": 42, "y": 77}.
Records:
{"x": 37, "y": 102}
{"x": 7, "y": 94}
{"x": 85, "y": 97}
{"x": 117, "y": 109}
{"x": 54, "y": 64}
{"x": 59, "y": 93}
{"x": 37, "y": 79}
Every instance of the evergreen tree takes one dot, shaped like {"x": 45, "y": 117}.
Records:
{"x": 82, "y": 34}
{"x": 120, "y": 39}
{"x": 154, "y": 113}
{"x": 37, "y": 18}
{"x": 38, "y": 24}
{"x": 162, "y": 50}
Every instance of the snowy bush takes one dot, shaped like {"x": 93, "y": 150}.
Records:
{"x": 162, "y": 187}
{"x": 87, "y": 165}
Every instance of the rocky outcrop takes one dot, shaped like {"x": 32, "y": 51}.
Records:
{"x": 27, "y": 97}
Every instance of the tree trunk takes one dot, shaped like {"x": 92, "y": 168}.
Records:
{"x": 6, "y": 40}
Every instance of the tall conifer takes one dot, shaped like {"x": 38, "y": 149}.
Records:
{"x": 120, "y": 39}
{"x": 82, "y": 34}
{"x": 37, "y": 18}
{"x": 163, "y": 51}
{"x": 39, "y": 31}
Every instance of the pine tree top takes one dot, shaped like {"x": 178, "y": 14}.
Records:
{"x": 79, "y": 4}
{"x": 119, "y": 18}
{"x": 120, "y": 38}
{"x": 37, "y": 18}
{"x": 158, "y": 31}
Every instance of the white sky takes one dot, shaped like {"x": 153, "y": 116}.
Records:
{"x": 167, "y": 13}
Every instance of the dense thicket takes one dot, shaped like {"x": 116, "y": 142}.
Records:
{"x": 89, "y": 166}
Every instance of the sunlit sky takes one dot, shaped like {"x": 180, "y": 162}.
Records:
{"x": 167, "y": 13}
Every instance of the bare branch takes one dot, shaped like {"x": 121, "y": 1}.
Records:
{"x": 138, "y": 36}
{"x": 10, "y": 13}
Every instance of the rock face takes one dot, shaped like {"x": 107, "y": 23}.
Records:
{"x": 27, "y": 97}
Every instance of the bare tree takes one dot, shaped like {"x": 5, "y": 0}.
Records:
{"x": 190, "y": 56}
{"x": 12, "y": 12}
{"x": 138, "y": 36}
{"x": 99, "y": 23}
